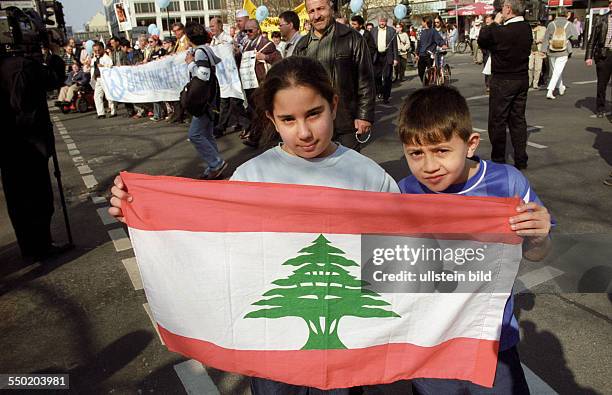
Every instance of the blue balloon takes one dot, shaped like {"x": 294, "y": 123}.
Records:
{"x": 356, "y": 5}
{"x": 156, "y": 32}
{"x": 89, "y": 46}
{"x": 400, "y": 11}
{"x": 163, "y": 3}
{"x": 261, "y": 13}
{"x": 152, "y": 27}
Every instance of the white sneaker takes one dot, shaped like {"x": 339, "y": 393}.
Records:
{"x": 562, "y": 90}
{"x": 550, "y": 95}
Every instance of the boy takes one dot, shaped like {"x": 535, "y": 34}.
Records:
{"x": 439, "y": 144}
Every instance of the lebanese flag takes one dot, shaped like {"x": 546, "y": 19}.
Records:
{"x": 266, "y": 280}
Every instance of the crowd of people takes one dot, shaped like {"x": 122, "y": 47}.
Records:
{"x": 362, "y": 60}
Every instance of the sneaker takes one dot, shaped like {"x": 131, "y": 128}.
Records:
{"x": 101, "y": 116}
{"x": 608, "y": 181}
{"x": 562, "y": 91}
{"x": 601, "y": 114}
{"x": 216, "y": 173}
{"x": 155, "y": 119}
{"x": 550, "y": 95}
{"x": 111, "y": 116}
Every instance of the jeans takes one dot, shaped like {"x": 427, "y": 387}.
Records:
{"x": 507, "y": 103}
{"x": 509, "y": 380}
{"x": 158, "y": 110}
{"x": 201, "y": 136}
{"x": 557, "y": 64}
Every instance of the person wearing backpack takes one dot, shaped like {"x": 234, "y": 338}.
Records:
{"x": 558, "y": 48}
{"x": 198, "y": 97}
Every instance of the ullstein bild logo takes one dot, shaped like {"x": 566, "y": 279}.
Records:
{"x": 424, "y": 264}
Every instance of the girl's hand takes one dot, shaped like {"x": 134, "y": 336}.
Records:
{"x": 533, "y": 221}
{"x": 119, "y": 195}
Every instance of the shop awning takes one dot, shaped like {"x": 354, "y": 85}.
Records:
{"x": 474, "y": 9}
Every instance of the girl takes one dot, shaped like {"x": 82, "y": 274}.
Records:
{"x": 298, "y": 101}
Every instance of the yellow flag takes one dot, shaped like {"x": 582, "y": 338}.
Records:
{"x": 249, "y": 7}
{"x": 302, "y": 14}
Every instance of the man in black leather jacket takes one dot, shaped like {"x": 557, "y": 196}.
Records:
{"x": 345, "y": 55}
{"x": 599, "y": 49}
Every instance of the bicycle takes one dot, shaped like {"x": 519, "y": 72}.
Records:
{"x": 439, "y": 73}
{"x": 463, "y": 45}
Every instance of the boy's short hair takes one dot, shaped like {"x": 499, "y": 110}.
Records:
{"x": 433, "y": 115}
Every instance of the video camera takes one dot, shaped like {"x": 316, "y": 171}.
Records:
{"x": 24, "y": 32}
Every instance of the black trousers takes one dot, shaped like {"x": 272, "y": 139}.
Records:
{"x": 507, "y": 103}
{"x": 383, "y": 73}
{"x": 424, "y": 62}
{"x": 29, "y": 198}
{"x": 231, "y": 113}
{"x": 604, "y": 71}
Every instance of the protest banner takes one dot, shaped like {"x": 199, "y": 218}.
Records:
{"x": 227, "y": 72}
{"x": 164, "y": 79}
{"x": 122, "y": 13}
{"x": 247, "y": 70}
{"x": 275, "y": 281}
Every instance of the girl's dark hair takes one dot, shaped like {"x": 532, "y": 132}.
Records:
{"x": 290, "y": 72}
{"x": 427, "y": 21}
{"x": 196, "y": 33}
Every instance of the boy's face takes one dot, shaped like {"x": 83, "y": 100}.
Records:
{"x": 439, "y": 166}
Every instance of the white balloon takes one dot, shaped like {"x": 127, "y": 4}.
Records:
{"x": 356, "y": 5}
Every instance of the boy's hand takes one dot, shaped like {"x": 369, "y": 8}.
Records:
{"x": 119, "y": 195}
{"x": 533, "y": 221}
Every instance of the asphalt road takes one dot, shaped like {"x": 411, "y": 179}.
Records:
{"x": 85, "y": 313}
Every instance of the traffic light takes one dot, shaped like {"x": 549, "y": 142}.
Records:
{"x": 54, "y": 9}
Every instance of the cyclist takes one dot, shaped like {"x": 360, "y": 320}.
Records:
{"x": 429, "y": 40}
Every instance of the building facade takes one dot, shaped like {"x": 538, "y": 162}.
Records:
{"x": 146, "y": 12}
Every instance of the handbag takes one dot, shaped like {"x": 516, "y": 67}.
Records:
{"x": 198, "y": 96}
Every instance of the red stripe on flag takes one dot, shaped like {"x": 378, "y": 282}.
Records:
{"x": 172, "y": 203}
{"x": 461, "y": 358}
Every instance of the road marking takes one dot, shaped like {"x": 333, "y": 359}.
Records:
{"x": 584, "y": 82}
{"x": 106, "y": 218}
{"x": 68, "y": 141}
{"x": 90, "y": 181}
{"x": 120, "y": 239}
{"x": 534, "y": 145}
{"x": 529, "y": 129}
{"x": 131, "y": 266}
{"x": 595, "y": 115}
{"x": 195, "y": 379}
{"x": 476, "y": 97}
{"x": 536, "y": 384}
{"x": 63, "y": 131}
{"x": 150, "y": 314}
{"x": 536, "y": 277}
{"x": 84, "y": 169}
{"x": 71, "y": 146}
{"x": 66, "y": 137}
{"x": 98, "y": 199}
{"x": 74, "y": 152}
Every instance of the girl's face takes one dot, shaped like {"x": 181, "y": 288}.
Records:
{"x": 305, "y": 121}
